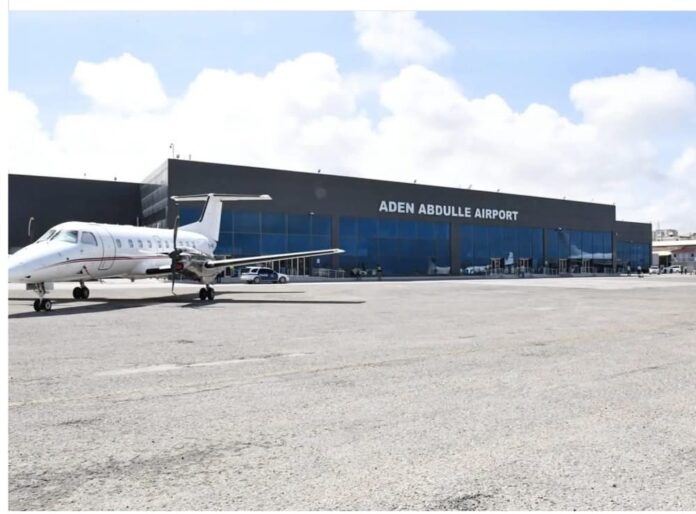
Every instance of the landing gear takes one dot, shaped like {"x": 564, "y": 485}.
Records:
{"x": 42, "y": 304}
{"x": 80, "y": 293}
{"x": 206, "y": 293}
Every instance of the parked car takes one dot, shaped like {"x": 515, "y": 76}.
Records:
{"x": 654, "y": 270}
{"x": 675, "y": 268}
{"x": 258, "y": 275}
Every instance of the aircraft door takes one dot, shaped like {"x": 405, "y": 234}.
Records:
{"x": 108, "y": 249}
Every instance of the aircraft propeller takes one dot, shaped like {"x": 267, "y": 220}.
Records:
{"x": 175, "y": 254}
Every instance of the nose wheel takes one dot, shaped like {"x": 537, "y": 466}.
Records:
{"x": 43, "y": 304}
{"x": 206, "y": 293}
{"x": 80, "y": 293}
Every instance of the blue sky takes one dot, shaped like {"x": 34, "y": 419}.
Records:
{"x": 525, "y": 57}
{"x": 441, "y": 97}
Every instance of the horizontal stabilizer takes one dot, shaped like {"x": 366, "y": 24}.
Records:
{"x": 224, "y": 198}
{"x": 238, "y": 261}
{"x": 208, "y": 224}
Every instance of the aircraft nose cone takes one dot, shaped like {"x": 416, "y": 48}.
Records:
{"x": 17, "y": 270}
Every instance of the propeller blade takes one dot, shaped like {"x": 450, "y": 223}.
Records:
{"x": 175, "y": 253}
{"x": 176, "y": 230}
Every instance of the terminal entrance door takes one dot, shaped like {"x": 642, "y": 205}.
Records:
{"x": 585, "y": 266}
{"x": 563, "y": 265}
{"x": 495, "y": 265}
{"x": 523, "y": 264}
{"x": 297, "y": 267}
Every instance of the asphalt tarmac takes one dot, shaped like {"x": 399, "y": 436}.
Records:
{"x": 553, "y": 394}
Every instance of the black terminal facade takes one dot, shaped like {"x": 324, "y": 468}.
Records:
{"x": 407, "y": 229}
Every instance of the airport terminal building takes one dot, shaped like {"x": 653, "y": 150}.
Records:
{"x": 407, "y": 229}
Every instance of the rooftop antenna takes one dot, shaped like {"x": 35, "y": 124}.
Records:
{"x": 319, "y": 170}
{"x": 171, "y": 145}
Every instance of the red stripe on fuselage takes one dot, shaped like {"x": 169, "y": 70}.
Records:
{"x": 100, "y": 259}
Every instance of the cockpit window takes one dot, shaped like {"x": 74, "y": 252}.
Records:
{"x": 88, "y": 239}
{"x": 68, "y": 236}
{"x": 46, "y": 236}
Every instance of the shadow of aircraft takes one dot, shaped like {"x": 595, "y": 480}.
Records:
{"x": 96, "y": 304}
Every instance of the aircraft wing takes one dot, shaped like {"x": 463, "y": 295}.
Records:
{"x": 237, "y": 261}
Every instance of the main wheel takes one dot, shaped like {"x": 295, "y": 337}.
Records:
{"x": 257, "y": 280}
{"x": 203, "y": 294}
{"x": 211, "y": 294}
{"x": 37, "y": 305}
{"x": 85, "y": 293}
{"x": 282, "y": 280}
{"x": 47, "y": 304}
{"x": 77, "y": 293}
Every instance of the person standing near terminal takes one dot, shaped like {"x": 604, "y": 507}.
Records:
{"x": 379, "y": 272}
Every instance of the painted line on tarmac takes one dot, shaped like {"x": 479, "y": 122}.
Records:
{"x": 170, "y": 367}
{"x": 203, "y": 387}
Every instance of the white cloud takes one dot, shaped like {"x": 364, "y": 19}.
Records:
{"x": 123, "y": 84}
{"x": 399, "y": 37}
{"x": 305, "y": 114}
{"x": 683, "y": 169}
{"x": 643, "y": 102}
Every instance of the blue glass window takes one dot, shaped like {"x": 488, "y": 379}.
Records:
{"x": 225, "y": 244}
{"x": 407, "y": 229}
{"x": 188, "y": 215}
{"x": 272, "y": 223}
{"x": 388, "y": 228}
{"x": 247, "y": 244}
{"x": 273, "y": 243}
{"x": 319, "y": 242}
{"x": 247, "y": 222}
{"x": 400, "y": 246}
{"x": 299, "y": 243}
{"x": 298, "y": 224}
{"x": 347, "y": 226}
{"x": 367, "y": 227}
{"x": 321, "y": 225}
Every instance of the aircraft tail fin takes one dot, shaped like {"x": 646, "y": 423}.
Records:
{"x": 208, "y": 224}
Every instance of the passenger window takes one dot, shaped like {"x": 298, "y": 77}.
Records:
{"x": 140, "y": 243}
{"x": 149, "y": 243}
{"x": 166, "y": 244}
{"x": 88, "y": 239}
{"x": 159, "y": 243}
{"x": 118, "y": 243}
{"x": 130, "y": 243}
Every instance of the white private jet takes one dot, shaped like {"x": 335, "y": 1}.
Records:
{"x": 80, "y": 252}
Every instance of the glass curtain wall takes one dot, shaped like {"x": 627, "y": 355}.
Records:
{"x": 400, "y": 247}
{"x": 578, "y": 248}
{"x": 245, "y": 233}
{"x": 480, "y": 244}
{"x": 633, "y": 255}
